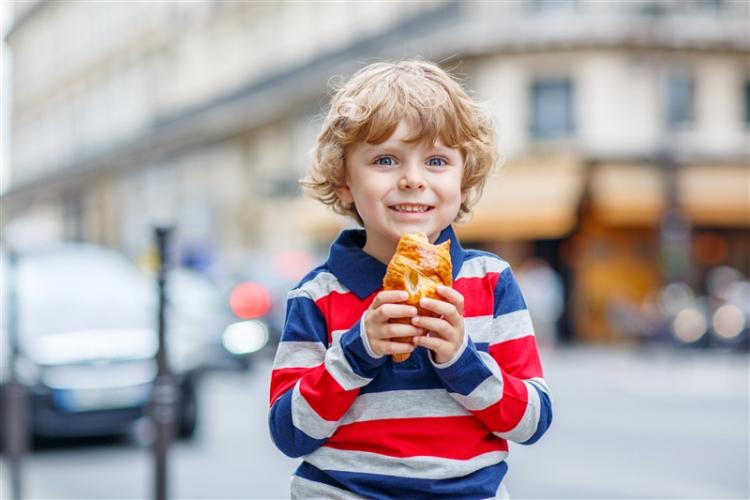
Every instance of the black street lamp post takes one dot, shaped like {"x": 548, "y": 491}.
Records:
{"x": 165, "y": 395}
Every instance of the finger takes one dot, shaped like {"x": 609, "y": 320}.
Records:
{"x": 386, "y": 347}
{"x": 400, "y": 330}
{"x": 432, "y": 343}
{"x": 391, "y": 311}
{"x": 453, "y": 296}
{"x": 439, "y": 307}
{"x": 389, "y": 296}
{"x": 437, "y": 325}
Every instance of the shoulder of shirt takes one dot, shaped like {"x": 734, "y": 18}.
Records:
{"x": 483, "y": 261}
{"x": 316, "y": 284}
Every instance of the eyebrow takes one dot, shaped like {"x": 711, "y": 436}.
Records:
{"x": 367, "y": 147}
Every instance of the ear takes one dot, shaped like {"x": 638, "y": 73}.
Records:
{"x": 345, "y": 195}
{"x": 464, "y": 195}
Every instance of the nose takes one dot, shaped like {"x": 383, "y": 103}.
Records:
{"x": 412, "y": 178}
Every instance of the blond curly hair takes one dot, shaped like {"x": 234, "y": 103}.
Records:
{"x": 370, "y": 105}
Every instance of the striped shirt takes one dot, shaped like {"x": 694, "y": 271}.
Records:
{"x": 368, "y": 427}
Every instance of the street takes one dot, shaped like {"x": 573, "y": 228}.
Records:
{"x": 628, "y": 424}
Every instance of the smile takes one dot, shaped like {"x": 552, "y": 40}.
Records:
{"x": 411, "y": 208}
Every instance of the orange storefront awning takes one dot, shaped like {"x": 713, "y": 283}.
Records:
{"x": 526, "y": 201}
{"x": 628, "y": 195}
{"x": 715, "y": 195}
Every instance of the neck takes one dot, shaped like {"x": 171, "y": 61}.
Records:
{"x": 380, "y": 250}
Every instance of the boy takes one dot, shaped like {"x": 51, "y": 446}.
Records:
{"x": 404, "y": 150}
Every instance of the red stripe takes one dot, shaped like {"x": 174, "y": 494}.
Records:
{"x": 506, "y": 413}
{"x": 518, "y": 357}
{"x": 342, "y": 310}
{"x": 459, "y": 438}
{"x": 325, "y": 395}
{"x": 479, "y": 294}
{"x": 282, "y": 379}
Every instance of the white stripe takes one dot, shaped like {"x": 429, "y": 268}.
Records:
{"x": 336, "y": 336}
{"x": 422, "y": 467}
{"x": 403, "y": 404}
{"x": 491, "y": 330}
{"x": 478, "y": 267}
{"x": 479, "y": 328}
{"x": 530, "y": 420}
{"x": 302, "y": 488}
{"x": 307, "y": 420}
{"x": 541, "y": 384}
{"x": 487, "y": 393}
{"x": 299, "y": 355}
{"x": 511, "y": 326}
{"x": 318, "y": 287}
{"x": 339, "y": 368}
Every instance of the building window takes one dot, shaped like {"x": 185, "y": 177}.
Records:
{"x": 679, "y": 100}
{"x": 552, "y": 109}
{"x": 747, "y": 103}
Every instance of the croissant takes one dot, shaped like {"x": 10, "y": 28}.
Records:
{"x": 418, "y": 267}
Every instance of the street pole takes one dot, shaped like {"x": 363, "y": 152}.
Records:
{"x": 16, "y": 434}
{"x": 164, "y": 399}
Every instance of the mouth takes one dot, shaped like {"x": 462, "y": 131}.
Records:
{"x": 410, "y": 208}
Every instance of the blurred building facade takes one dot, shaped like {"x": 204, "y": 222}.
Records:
{"x": 624, "y": 128}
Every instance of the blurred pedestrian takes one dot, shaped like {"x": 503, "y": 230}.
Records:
{"x": 543, "y": 290}
{"x": 404, "y": 150}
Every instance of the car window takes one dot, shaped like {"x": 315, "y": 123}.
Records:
{"x": 62, "y": 292}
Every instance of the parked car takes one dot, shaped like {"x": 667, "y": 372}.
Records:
{"x": 87, "y": 340}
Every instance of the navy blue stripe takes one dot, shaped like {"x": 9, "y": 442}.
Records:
{"x": 470, "y": 254}
{"x": 311, "y": 275}
{"x": 466, "y": 373}
{"x": 304, "y": 322}
{"x": 416, "y": 373}
{"x": 480, "y": 484}
{"x": 545, "y": 416}
{"x": 508, "y": 296}
{"x": 359, "y": 359}
{"x": 290, "y": 440}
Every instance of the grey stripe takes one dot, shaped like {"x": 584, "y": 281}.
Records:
{"x": 326, "y": 458}
{"x": 299, "y": 355}
{"x": 403, "y": 404}
{"x": 302, "y": 488}
{"x": 339, "y": 368}
{"x": 307, "y": 420}
{"x": 529, "y": 422}
{"x": 478, "y": 267}
{"x": 479, "y": 328}
{"x": 487, "y": 393}
{"x": 318, "y": 287}
{"x": 511, "y": 326}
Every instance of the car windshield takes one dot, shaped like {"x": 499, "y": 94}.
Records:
{"x": 82, "y": 289}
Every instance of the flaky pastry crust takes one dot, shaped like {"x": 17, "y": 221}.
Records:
{"x": 418, "y": 267}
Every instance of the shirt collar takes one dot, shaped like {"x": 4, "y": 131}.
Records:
{"x": 363, "y": 274}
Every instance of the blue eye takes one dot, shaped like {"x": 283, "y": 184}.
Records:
{"x": 436, "y": 162}
{"x": 385, "y": 160}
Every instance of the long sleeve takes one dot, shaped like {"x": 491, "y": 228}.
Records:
{"x": 312, "y": 385}
{"x": 504, "y": 386}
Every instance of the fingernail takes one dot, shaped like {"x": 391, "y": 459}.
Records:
{"x": 415, "y": 320}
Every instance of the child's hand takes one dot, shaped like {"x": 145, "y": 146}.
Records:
{"x": 446, "y": 333}
{"x": 384, "y": 308}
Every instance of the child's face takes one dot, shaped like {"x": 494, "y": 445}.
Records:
{"x": 399, "y": 187}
